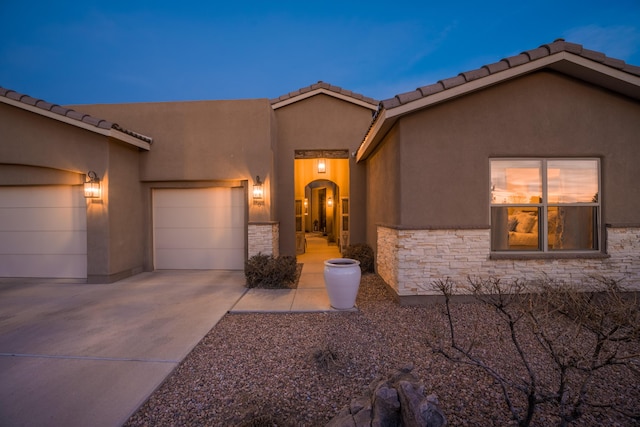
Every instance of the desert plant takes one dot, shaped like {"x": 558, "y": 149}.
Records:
{"x": 580, "y": 332}
{"x": 325, "y": 356}
{"x": 267, "y": 271}
{"x": 361, "y": 252}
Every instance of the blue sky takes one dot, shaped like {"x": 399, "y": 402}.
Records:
{"x": 80, "y": 52}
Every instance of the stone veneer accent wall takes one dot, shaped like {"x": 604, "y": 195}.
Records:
{"x": 410, "y": 260}
{"x": 263, "y": 237}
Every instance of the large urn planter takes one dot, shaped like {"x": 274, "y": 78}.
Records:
{"x": 342, "y": 279}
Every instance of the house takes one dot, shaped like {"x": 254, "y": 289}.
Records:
{"x": 524, "y": 167}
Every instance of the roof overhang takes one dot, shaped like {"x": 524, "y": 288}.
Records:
{"x": 563, "y": 62}
{"x": 110, "y": 132}
{"x": 305, "y": 95}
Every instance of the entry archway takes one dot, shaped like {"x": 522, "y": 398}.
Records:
{"x": 321, "y": 192}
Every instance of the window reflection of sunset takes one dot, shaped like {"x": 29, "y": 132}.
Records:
{"x": 516, "y": 181}
{"x": 572, "y": 181}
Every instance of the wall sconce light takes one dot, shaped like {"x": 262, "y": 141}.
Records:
{"x": 92, "y": 186}
{"x": 322, "y": 166}
{"x": 258, "y": 192}
{"x": 330, "y": 202}
{"x": 306, "y": 206}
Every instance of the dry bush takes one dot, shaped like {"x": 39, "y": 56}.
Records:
{"x": 579, "y": 334}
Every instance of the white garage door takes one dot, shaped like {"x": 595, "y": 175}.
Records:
{"x": 201, "y": 229}
{"x": 43, "y": 232}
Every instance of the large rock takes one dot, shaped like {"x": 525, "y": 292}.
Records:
{"x": 398, "y": 400}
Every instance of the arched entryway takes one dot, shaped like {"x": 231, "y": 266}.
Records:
{"x": 322, "y": 198}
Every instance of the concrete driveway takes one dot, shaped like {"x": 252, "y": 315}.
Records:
{"x": 90, "y": 355}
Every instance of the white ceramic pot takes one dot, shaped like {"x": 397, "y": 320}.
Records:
{"x": 342, "y": 279}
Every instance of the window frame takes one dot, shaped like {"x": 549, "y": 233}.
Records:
{"x": 543, "y": 211}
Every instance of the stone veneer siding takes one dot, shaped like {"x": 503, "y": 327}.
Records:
{"x": 263, "y": 237}
{"x": 410, "y": 260}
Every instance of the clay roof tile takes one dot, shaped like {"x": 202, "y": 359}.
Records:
{"x": 632, "y": 69}
{"x": 538, "y": 53}
{"x": 475, "y": 74}
{"x": 453, "y": 81}
{"x": 593, "y": 55}
{"x": 409, "y": 96}
{"x": 431, "y": 89}
{"x": 516, "y": 60}
{"x": 497, "y": 66}
{"x": 614, "y": 63}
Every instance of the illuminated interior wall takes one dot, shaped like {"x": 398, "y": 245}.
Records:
{"x": 306, "y": 172}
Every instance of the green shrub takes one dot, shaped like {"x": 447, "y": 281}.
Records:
{"x": 363, "y": 253}
{"x": 267, "y": 271}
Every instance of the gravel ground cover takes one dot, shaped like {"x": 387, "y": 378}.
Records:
{"x": 301, "y": 369}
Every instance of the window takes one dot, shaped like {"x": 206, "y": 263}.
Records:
{"x": 545, "y": 204}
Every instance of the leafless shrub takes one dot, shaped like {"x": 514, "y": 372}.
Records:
{"x": 579, "y": 332}
{"x": 325, "y": 356}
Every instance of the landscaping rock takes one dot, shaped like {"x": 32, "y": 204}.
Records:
{"x": 397, "y": 401}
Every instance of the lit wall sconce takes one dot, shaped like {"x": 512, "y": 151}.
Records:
{"x": 330, "y": 202}
{"x": 322, "y": 165}
{"x": 92, "y": 186}
{"x": 306, "y": 206}
{"x": 258, "y": 192}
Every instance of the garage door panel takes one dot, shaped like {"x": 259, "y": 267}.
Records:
{"x": 48, "y": 265}
{"x": 43, "y": 196}
{"x": 210, "y": 238}
{"x": 45, "y": 219}
{"x": 199, "y": 197}
{"x": 199, "y": 228}
{"x": 43, "y": 232}
{"x": 43, "y": 242}
{"x": 197, "y": 259}
{"x": 197, "y": 217}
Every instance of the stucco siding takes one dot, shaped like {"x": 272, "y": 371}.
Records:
{"x": 383, "y": 186}
{"x": 317, "y": 123}
{"x": 446, "y": 149}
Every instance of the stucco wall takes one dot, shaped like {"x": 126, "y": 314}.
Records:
{"x": 40, "y": 151}
{"x": 319, "y": 122}
{"x": 383, "y": 186}
{"x": 203, "y": 141}
{"x": 442, "y": 177}
{"x": 30, "y": 139}
{"x": 445, "y": 150}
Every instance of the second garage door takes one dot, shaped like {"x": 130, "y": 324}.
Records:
{"x": 200, "y": 229}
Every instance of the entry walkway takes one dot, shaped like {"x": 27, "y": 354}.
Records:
{"x": 310, "y": 295}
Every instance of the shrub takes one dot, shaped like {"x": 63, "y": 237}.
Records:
{"x": 267, "y": 271}
{"x": 565, "y": 338}
{"x": 363, "y": 253}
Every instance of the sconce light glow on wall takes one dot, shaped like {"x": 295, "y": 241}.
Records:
{"x": 258, "y": 192}
{"x": 92, "y": 186}
{"x": 322, "y": 165}
{"x": 330, "y": 202}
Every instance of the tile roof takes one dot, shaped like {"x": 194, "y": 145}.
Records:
{"x": 531, "y": 55}
{"x": 585, "y": 64}
{"x": 70, "y": 113}
{"x": 327, "y": 87}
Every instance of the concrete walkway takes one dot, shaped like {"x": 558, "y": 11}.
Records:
{"x": 310, "y": 295}
{"x": 73, "y": 354}
{"x": 90, "y": 355}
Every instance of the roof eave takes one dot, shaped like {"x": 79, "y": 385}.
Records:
{"x": 565, "y": 62}
{"x": 324, "y": 91}
{"x": 109, "y": 132}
